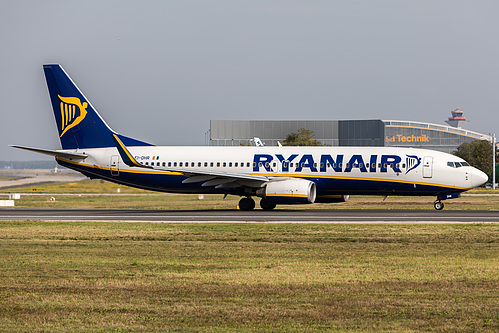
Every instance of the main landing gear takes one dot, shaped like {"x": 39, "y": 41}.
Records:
{"x": 247, "y": 204}
{"x": 267, "y": 205}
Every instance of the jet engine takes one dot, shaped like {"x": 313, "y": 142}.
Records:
{"x": 289, "y": 191}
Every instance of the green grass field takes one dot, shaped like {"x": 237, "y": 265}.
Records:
{"x": 248, "y": 277}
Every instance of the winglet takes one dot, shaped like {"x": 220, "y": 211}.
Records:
{"x": 125, "y": 154}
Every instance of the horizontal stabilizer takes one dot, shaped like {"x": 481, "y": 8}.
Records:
{"x": 51, "y": 152}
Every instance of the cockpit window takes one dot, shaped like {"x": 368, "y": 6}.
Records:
{"x": 457, "y": 164}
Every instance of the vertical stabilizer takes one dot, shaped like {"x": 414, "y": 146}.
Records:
{"x": 80, "y": 125}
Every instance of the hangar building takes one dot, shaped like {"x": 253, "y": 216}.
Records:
{"x": 388, "y": 133}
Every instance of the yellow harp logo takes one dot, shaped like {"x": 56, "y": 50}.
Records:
{"x": 72, "y": 112}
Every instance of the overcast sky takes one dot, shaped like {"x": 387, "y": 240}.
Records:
{"x": 159, "y": 71}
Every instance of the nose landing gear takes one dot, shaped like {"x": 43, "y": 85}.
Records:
{"x": 439, "y": 205}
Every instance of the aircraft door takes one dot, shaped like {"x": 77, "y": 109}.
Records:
{"x": 427, "y": 167}
{"x": 115, "y": 165}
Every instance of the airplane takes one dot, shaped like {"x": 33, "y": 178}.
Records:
{"x": 277, "y": 175}
{"x": 257, "y": 142}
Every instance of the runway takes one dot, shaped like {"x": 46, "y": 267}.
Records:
{"x": 258, "y": 216}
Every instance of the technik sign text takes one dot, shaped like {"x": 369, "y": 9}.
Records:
{"x": 399, "y": 138}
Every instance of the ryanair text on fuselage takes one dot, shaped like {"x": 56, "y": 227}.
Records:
{"x": 306, "y": 162}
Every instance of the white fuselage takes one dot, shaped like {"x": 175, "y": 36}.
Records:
{"x": 335, "y": 170}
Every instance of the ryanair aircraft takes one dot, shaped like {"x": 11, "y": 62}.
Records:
{"x": 278, "y": 175}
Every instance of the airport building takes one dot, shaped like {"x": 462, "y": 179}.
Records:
{"x": 379, "y": 133}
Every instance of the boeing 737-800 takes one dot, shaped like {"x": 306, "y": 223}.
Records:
{"x": 278, "y": 175}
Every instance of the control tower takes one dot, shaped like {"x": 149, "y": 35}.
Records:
{"x": 457, "y": 119}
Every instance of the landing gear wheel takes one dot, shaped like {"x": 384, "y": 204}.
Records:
{"x": 439, "y": 205}
{"x": 247, "y": 204}
{"x": 266, "y": 205}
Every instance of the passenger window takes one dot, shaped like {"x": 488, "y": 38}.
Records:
{"x": 235, "y": 164}
{"x": 266, "y": 164}
{"x": 211, "y": 164}
{"x": 218, "y": 164}
{"x": 179, "y": 164}
{"x": 199, "y": 164}
{"x": 230, "y": 164}
{"x": 169, "y": 164}
{"x": 164, "y": 164}
{"x": 224, "y": 164}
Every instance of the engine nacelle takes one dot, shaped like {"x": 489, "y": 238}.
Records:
{"x": 289, "y": 191}
{"x": 332, "y": 198}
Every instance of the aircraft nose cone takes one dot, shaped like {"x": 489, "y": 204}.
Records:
{"x": 478, "y": 178}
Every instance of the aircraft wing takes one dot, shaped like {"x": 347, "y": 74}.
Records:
{"x": 51, "y": 152}
{"x": 209, "y": 178}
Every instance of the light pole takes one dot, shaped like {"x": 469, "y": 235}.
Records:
{"x": 493, "y": 161}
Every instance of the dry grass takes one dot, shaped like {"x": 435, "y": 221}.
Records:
{"x": 248, "y": 277}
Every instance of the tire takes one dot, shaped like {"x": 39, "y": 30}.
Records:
{"x": 439, "y": 205}
{"x": 266, "y": 205}
{"x": 246, "y": 204}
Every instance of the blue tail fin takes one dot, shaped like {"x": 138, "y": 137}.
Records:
{"x": 79, "y": 124}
